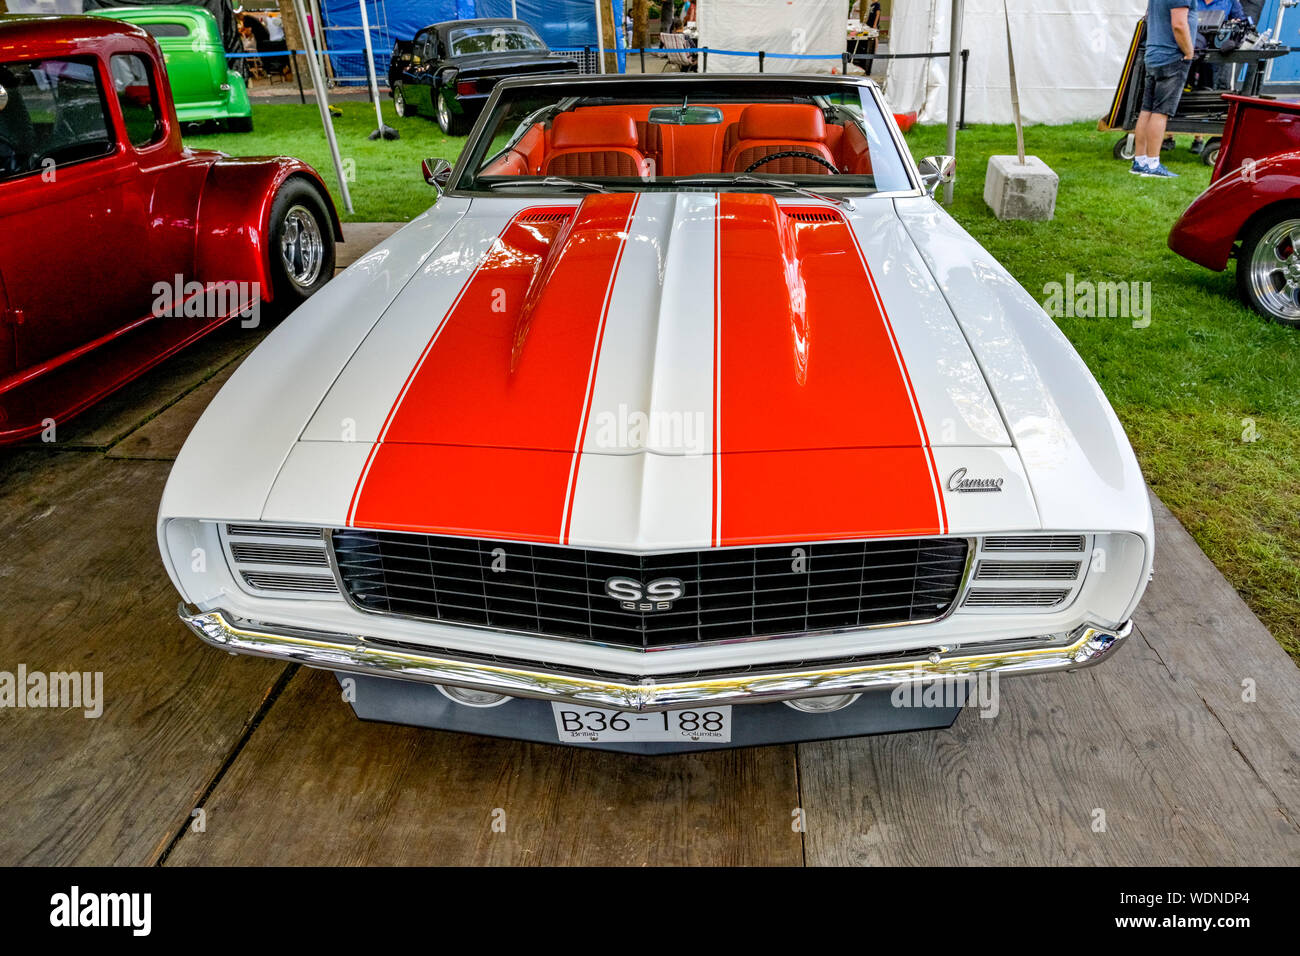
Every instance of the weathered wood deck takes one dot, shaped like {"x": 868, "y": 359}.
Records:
{"x": 1159, "y": 739}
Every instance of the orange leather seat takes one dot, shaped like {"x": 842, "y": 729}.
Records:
{"x": 594, "y": 144}
{"x": 767, "y": 128}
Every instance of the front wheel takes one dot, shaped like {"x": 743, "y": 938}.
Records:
{"x": 401, "y": 105}
{"x": 302, "y": 244}
{"x": 1124, "y": 148}
{"x": 453, "y": 124}
{"x": 240, "y": 124}
{"x": 1268, "y": 265}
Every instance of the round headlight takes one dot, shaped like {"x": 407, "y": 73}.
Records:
{"x": 822, "y": 705}
{"x": 472, "y": 698}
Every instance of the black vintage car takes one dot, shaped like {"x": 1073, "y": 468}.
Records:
{"x": 449, "y": 69}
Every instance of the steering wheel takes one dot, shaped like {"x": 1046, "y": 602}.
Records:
{"x": 786, "y": 154}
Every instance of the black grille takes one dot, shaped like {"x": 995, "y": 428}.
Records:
{"x": 727, "y": 594}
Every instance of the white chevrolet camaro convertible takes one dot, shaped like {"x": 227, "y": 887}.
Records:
{"x": 685, "y": 418}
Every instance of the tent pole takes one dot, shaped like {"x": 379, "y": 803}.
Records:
{"x": 318, "y": 33}
{"x": 318, "y": 87}
{"x": 600, "y": 35}
{"x": 954, "y": 88}
{"x": 370, "y": 71}
{"x": 514, "y": 9}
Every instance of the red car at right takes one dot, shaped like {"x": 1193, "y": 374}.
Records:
{"x": 1251, "y": 210}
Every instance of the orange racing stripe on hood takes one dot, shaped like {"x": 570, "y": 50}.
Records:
{"x": 818, "y": 434}
{"x": 484, "y": 438}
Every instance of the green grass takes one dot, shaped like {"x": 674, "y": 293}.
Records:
{"x": 1186, "y": 387}
{"x": 384, "y": 175}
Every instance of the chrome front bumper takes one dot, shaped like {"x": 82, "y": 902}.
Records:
{"x": 1087, "y": 644}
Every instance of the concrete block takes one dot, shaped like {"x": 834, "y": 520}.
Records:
{"x": 1026, "y": 192}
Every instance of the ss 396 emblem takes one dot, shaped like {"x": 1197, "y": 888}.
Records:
{"x": 632, "y": 595}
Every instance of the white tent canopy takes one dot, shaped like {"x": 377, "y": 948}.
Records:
{"x": 775, "y": 27}
{"x": 1069, "y": 54}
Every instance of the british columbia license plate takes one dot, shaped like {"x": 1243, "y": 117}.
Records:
{"x": 590, "y": 725}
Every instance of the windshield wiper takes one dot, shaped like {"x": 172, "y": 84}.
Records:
{"x": 550, "y": 181}
{"x": 747, "y": 179}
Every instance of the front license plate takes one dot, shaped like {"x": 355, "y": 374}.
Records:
{"x": 590, "y": 725}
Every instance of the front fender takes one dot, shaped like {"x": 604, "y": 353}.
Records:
{"x": 232, "y": 237}
{"x": 1213, "y": 223}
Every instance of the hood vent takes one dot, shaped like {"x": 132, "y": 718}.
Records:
{"x": 812, "y": 215}
{"x": 533, "y": 216}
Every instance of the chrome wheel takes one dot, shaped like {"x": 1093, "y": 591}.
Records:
{"x": 1274, "y": 271}
{"x": 301, "y": 247}
{"x": 444, "y": 113}
{"x": 399, "y": 100}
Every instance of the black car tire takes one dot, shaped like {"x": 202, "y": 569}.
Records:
{"x": 301, "y": 208}
{"x": 1210, "y": 154}
{"x": 1257, "y": 268}
{"x": 453, "y": 124}
{"x": 402, "y": 105}
{"x": 240, "y": 124}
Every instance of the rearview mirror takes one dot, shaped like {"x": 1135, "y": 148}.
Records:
{"x": 684, "y": 115}
{"x": 937, "y": 171}
{"x": 437, "y": 173}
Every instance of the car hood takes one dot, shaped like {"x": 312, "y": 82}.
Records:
{"x": 653, "y": 371}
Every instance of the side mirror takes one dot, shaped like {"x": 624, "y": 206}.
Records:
{"x": 4, "y": 97}
{"x": 937, "y": 171}
{"x": 437, "y": 173}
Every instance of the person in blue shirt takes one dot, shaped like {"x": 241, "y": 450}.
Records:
{"x": 1171, "y": 38}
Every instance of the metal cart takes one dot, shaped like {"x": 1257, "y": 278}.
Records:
{"x": 1200, "y": 111}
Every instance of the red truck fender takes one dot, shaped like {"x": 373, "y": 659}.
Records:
{"x": 232, "y": 235}
{"x": 1215, "y": 221}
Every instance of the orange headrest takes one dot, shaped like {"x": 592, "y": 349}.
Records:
{"x": 782, "y": 121}
{"x": 585, "y": 130}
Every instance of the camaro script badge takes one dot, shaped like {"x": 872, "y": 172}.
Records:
{"x": 632, "y": 595}
{"x": 958, "y": 481}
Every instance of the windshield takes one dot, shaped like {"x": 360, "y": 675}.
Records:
{"x": 760, "y": 135}
{"x": 465, "y": 41}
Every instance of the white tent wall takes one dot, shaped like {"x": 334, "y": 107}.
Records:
{"x": 775, "y": 27}
{"x": 1069, "y": 54}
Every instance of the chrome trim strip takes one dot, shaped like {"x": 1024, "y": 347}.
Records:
{"x": 972, "y": 545}
{"x": 355, "y": 653}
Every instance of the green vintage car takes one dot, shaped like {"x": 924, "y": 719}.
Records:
{"x": 203, "y": 87}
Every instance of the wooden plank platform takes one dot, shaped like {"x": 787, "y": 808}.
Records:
{"x": 1185, "y": 749}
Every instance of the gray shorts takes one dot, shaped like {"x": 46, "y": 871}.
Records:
{"x": 1163, "y": 87}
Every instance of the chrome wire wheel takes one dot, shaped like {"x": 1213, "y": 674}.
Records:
{"x": 399, "y": 100}
{"x": 1274, "y": 271}
{"x": 301, "y": 247}
{"x": 444, "y": 113}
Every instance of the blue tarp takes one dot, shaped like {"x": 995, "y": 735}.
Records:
{"x": 563, "y": 24}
